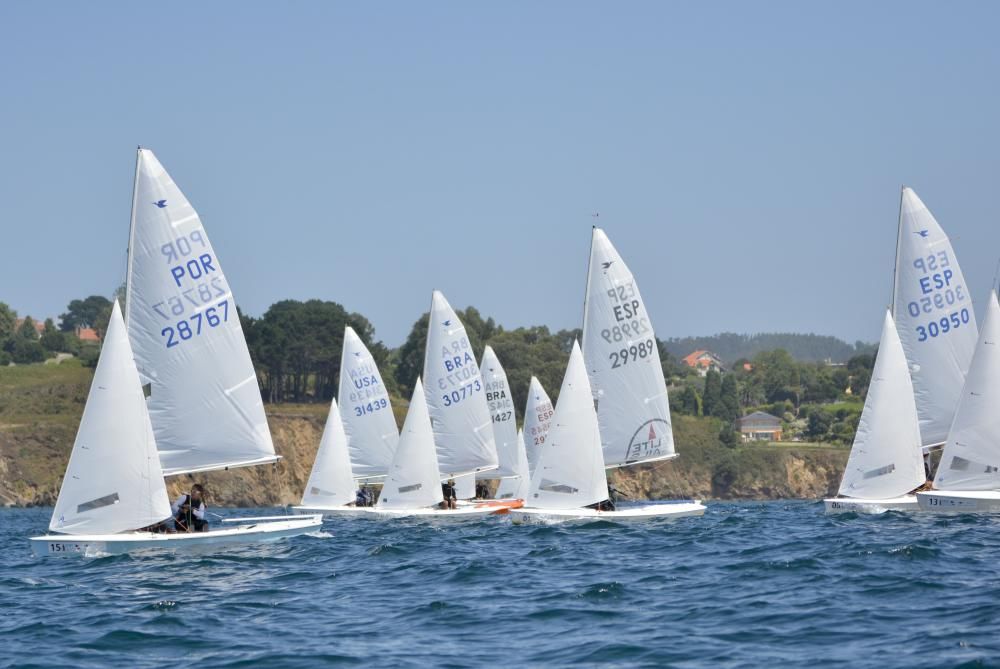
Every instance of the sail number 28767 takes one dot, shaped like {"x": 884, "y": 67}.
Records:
{"x": 198, "y": 322}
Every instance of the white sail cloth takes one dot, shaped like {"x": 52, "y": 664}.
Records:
{"x": 113, "y": 482}
{"x": 331, "y": 482}
{"x": 570, "y": 471}
{"x": 623, "y": 361}
{"x": 369, "y": 423}
{"x": 516, "y": 487}
{"x": 538, "y": 413}
{"x": 456, "y": 397}
{"x": 413, "y": 480}
{"x": 885, "y": 460}
{"x": 501, "y": 407}
{"x": 934, "y": 316}
{"x": 204, "y": 401}
{"x": 971, "y": 458}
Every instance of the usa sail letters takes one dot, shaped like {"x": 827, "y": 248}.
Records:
{"x": 366, "y": 394}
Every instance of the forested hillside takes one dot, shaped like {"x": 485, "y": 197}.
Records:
{"x": 804, "y": 347}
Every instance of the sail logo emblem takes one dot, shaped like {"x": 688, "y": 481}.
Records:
{"x": 161, "y": 203}
{"x": 608, "y": 264}
{"x": 647, "y": 441}
{"x": 447, "y": 323}
{"x": 922, "y": 233}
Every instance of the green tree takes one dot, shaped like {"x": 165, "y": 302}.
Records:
{"x": 85, "y": 313}
{"x": 52, "y": 339}
{"x": 729, "y": 402}
{"x": 8, "y": 321}
{"x": 27, "y": 329}
{"x": 712, "y": 397}
{"x": 818, "y": 425}
{"x": 689, "y": 401}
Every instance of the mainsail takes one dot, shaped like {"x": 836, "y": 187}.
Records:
{"x": 623, "y": 362}
{"x": 570, "y": 470}
{"x": 537, "y": 421}
{"x": 413, "y": 480}
{"x": 501, "y": 406}
{"x": 933, "y": 312}
{"x": 516, "y": 487}
{"x": 331, "y": 482}
{"x": 204, "y": 402}
{"x": 885, "y": 460}
{"x": 456, "y": 397}
{"x": 971, "y": 458}
{"x": 366, "y": 410}
{"x": 113, "y": 482}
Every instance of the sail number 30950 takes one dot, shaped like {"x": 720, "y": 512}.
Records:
{"x": 187, "y": 328}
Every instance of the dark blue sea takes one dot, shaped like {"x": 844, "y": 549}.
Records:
{"x": 747, "y": 585}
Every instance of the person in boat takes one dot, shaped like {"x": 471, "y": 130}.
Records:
{"x": 189, "y": 511}
{"x": 482, "y": 491}
{"x": 606, "y": 505}
{"x": 450, "y": 496}
{"x": 361, "y": 497}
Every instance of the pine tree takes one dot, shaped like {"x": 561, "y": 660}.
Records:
{"x": 712, "y": 396}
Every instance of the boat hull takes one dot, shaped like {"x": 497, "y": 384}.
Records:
{"x": 626, "y": 515}
{"x": 333, "y": 511}
{"x": 500, "y": 506}
{"x": 959, "y": 501}
{"x": 94, "y": 545}
{"x": 870, "y": 506}
{"x": 461, "y": 513}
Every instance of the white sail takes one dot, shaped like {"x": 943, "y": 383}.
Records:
{"x": 570, "y": 471}
{"x": 370, "y": 425}
{"x": 933, "y": 312}
{"x": 516, "y": 487}
{"x": 113, "y": 482}
{"x": 537, "y": 420}
{"x": 623, "y": 362}
{"x": 501, "y": 406}
{"x": 331, "y": 482}
{"x": 885, "y": 460}
{"x": 182, "y": 322}
{"x": 413, "y": 481}
{"x": 465, "y": 486}
{"x": 463, "y": 429}
{"x": 971, "y": 458}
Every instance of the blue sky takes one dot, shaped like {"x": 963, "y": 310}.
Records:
{"x": 745, "y": 158}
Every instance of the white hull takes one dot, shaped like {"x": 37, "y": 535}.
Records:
{"x": 870, "y": 506}
{"x": 626, "y": 515}
{"x": 94, "y": 545}
{"x": 960, "y": 501}
{"x": 332, "y": 511}
{"x": 461, "y": 513}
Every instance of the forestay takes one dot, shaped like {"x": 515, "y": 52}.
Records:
{"x": 885, "y": 460}
{"x": 516, "y": 487}
{"x": 971, "y": 458}
{"x": 204, "y": 401}
{"x": 113, "y": 482}
{"x": 570, "y": 472}
{"x": 331, "y": 482}
{"x": 933, "y": 312}
{"x": 623, "y": 362}
{"x": 501, "y": 407}
{"x": 537, "y": 421}
{"x": 367, "y": 412}
{"x": 456, "y": 398}
{"x": 413, "y": 480}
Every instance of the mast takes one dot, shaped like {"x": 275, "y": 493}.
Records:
{"x": 131, "y": 239}
{"x": 586, "y": 293}
{"x": 895, "y": 262}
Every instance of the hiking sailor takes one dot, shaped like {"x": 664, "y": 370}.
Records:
{"x": 189, "y": 511}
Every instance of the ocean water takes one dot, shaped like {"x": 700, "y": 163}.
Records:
{"x": 747, "y": 585}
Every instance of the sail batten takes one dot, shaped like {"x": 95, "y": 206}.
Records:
{"x": 933, "y": 312}
{"x": 204, "y": 403}
{"x": 623, "y": 362}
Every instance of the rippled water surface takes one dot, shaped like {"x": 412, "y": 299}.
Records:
{"x": 749, "y": 584}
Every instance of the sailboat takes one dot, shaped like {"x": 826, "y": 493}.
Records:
{"x": 192, "y": 357}
{"x": 968, "y": 478}
{"x": 413, "y": 485}
{"x": 570, "y": 474}
{"x": 359, "y": 439}
{"x": 538, "y": 412}
{"x": 114, "y": 484}
{"x": 622, "y": 362}
{"x": 460, "y": 414}
{"x": 885, "y": 464}
{"x": 501, "y": 407}
{"x": 932, "y": 309}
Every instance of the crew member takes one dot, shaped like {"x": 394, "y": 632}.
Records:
{"x": 189, "y": 511}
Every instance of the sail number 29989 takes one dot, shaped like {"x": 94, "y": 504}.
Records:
{"x": 631, "y": 353}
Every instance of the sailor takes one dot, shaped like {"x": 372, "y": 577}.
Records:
{"x": 189, "y": 511}
{"x": 482, "y": 492}
{"x": 450, "y": 497}
{"x": 361, "y": 497}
